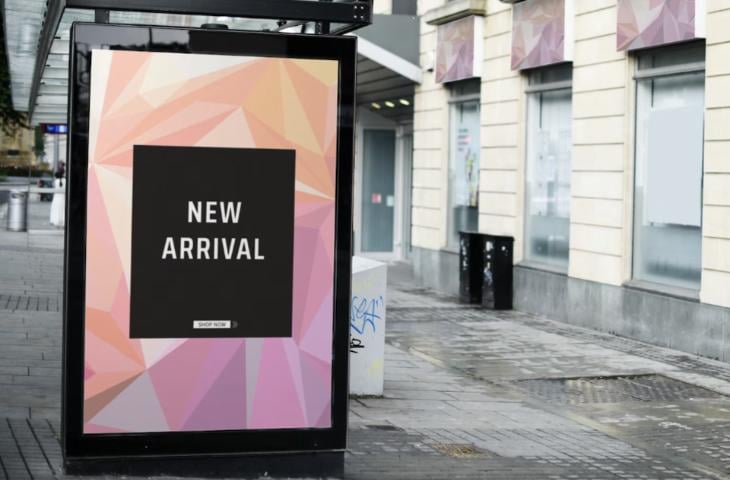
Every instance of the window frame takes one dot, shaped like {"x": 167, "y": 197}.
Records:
{"x": 457, "y": 96}
{"x": 650, "y": 73}
{"x": 536, "y": 87}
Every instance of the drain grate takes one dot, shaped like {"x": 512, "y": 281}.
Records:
{"x": 634, "y": 388}
{"x": 32, "y": 303}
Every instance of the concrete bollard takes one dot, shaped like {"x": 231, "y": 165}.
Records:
{"x": 367, "y": 326}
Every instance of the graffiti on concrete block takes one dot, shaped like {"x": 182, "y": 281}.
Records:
{"x": 365, "y": 312}
{"x": 356, "y": 344}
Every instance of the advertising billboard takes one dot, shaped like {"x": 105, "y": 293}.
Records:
{"x": 208, "y": 242}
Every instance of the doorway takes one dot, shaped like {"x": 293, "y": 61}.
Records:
{"x": 382, "y": 188}
{"x": 378, "y": 191}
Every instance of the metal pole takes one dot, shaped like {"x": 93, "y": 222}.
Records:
{"x": 101, "y": 16}
{"x": 324, "y": 27}
{"x": 56, "y": 153}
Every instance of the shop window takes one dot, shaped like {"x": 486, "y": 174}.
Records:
{"x": 547, "y": 188}
{"x": 463, "y": 211}
{"x": 668, "y": 168}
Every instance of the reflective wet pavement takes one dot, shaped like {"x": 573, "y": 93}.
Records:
{"x": 667, "y": 404}
{"x": 470, "y": 394}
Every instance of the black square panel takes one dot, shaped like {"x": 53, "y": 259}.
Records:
{"x": 212, "y": 242}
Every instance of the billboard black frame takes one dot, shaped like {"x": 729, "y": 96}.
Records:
{"x": 346, "y": 15}
{"x": 79, "y": 446}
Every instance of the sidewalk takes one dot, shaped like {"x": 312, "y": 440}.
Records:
{"x": 470, "y": 394}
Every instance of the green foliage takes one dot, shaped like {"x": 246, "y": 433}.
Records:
{"x": 10, "y": 119}
{"x": 23, "y": 171}
{"x": 39, "y": 146}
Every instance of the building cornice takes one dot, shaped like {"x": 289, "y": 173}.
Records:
{"x": 454, "y": 11}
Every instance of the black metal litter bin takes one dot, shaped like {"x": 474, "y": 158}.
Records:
{"x": 471, "y": 266}
{"x": 497, "y": 279}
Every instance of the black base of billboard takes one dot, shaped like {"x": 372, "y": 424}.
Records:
{"x": 302, "y": 465}
{"x": 83, "y": 451}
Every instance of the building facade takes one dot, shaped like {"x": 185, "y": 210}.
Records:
{"x": 597, "y": 134}
{"x": 17, "y": 149}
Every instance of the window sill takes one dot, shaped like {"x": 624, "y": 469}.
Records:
{"x": 680, "y": 293}
{"x": 542, "y": 267}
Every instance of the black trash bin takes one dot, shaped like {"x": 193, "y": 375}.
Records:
{"x": 497, "y": 269}
{"x": 471, "y": 266}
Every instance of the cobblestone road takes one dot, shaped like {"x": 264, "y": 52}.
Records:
{"x": 469, "y": 394}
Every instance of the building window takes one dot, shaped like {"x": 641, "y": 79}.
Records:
{"x": 463, "y": 211}
{"x": 670, "y": 102}
{"x": 405, "y": 7}
{"x": 547, "y": 188}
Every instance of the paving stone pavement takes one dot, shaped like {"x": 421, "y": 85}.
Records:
{"x": 470, "y": 394}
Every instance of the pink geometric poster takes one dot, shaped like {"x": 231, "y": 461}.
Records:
{"x": 459, "y": 49}
{"x": 652, "y": 23}
{"x": 141, "y": 102}
{"x": 542, "y": 33}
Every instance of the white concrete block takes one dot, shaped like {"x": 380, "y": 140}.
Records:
{"x": 502, "y": 89}
{"x": 500, "y": 158}
{"x": 717, "y": 157}
{"x": 717, "y": 57}
{"x": 427, "y": 178}
{"x": 600, "y": 76}
{"x": 717, "y": 189}
{"x": 498, "y": 23}
{"x": 717, "y": 23}
{"x": 598, "y": 239}
{"x": 716, "y": 221}
{"x": 717, "y": 89}
{"x": 583, "y": 7}
{"x": 600, "y": 103}
{"x": 426, "y": 217}
{"x": 500, "y": 113}
{"x": 607, "y": 185}
{"x": 596, "y": 50}
{"x": 596, "y": 267}
{"x": 716, "y": 124}
{"x": 498, "y": 203}
{"x": 497, "y": 225}
{"x": 498, "y": 181}
{"x": 599, "y": 130}
{"x": 605, "y": 158}
{"x": 498, "y": 45}
{"x": 597, "y": 211}
{"x": 426, "y": 197}
{"x": 595, "y": 24}
{"x": 500, "y": 135}
{"x": 367, "y": 326}
{"x": 716, "y": 254}
{"x": 715, "y": 288}
{"x": 425, "y": 237}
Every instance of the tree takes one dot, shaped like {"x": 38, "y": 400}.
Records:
{"x": 10, "y": 119}
{"x": 39, "y": 146}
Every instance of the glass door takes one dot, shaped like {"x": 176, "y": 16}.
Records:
{"x": 463, "y": 214}
{"x": 378, "y": 191}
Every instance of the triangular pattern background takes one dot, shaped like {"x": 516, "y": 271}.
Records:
{"x": 455, "y": 50}
{"x": 651, "y": 23}
{"x": 161, "y": 385}
{"x": 538, "y": 33}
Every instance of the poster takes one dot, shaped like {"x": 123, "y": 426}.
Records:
{"x": 210, "y": 243}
